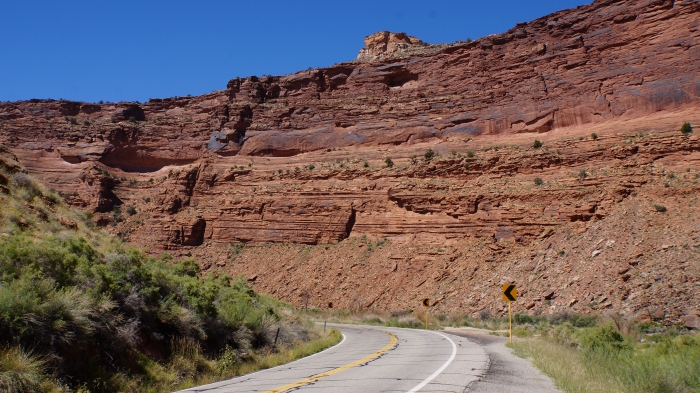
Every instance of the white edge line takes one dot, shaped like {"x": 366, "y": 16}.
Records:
{"x": 204, "y": 387}
{"x": 438, "y": 371}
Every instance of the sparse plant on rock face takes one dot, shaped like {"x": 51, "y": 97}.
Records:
{"x": 429, "y": 154}
{"x": 686, "y": 128}
{"x": 594, "y": 136}
{"x": 389, "y": 162}
{"x": 660, "y": 208}
{"x": 470, "y": 154}
{"x": 414, "y": 160}
{"x": 582, "y": 174}
{"x": 132, "y": 119}
{"x": 538, "y": 181}
{"x": 117, "y": 214}
{"x": 131, "y": 210}
{"x": 537, "y": 144}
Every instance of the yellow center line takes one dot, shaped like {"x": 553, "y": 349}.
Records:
{"x": 314, "y": 378}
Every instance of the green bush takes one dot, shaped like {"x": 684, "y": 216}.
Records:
{"x": 389, "y": 162}
{"x": 520, "y": 319}
{"x": 537, "y": 144}
{"x": 594, "y": 136}
{"x": 660, "y": 208}
{"x": 429, "y": 154}
{"x": 470, "y": 154}
{"x": 605, "y": 338}
{"x": 686, "y": 128}
{"x": 92, "y": 304}
{"x": 538, "y": 181}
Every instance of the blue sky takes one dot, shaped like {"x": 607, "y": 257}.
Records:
{"x": 133, "y": 50}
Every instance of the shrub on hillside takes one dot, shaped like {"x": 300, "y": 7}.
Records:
{"x": 537, "y": 144}
{"x": 686, "y": 128}
{"x": 94, "y": 307}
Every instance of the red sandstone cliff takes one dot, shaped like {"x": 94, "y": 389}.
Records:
{"x": 300, "y": 159}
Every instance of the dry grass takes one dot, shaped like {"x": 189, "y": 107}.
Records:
{"x": 566, "y": 365}
{"x": 669, "y": 364}
{"x": 190, "y": 368}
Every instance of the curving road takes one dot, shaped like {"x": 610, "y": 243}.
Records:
{"x": 373, "y": 359}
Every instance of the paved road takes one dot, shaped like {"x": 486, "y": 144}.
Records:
{"x": 506, "y": 373}
{"x": 373, "y": 359}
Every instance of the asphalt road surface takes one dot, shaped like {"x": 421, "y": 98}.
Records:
{"x": 373, "y": 359}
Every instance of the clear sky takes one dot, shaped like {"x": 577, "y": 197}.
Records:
{"x": 134, "y": 50}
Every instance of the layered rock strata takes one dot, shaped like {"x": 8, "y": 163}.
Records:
{"x": 341, "y": 156}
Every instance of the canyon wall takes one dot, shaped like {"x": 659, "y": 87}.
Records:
{"x": 417, "y": 161}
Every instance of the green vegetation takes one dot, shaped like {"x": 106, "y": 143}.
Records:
{"x": 389, "y": 163}
{"x": 582, "y": 174}
{"x": 538, "y": 181}
{"x": 601, "y": 359}
{"x": 660, "y": 208}
{"x": 429, "y": 154}
{"x": 81, "y": 311}
{"x": 470, "y": 154}
{"x": 594, "y": 136}
{"x": 537, "y": 144}
{"x": 686, "y": 128}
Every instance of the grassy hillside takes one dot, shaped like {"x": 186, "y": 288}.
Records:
{"x": 81, "y": 311}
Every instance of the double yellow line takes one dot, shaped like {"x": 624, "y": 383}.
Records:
{"x": 392, "y": 343}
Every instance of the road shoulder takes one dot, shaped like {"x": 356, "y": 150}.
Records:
{"x": 507, "y": 372}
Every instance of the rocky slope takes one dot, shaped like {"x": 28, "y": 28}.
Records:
{"x": 285, "y": 179}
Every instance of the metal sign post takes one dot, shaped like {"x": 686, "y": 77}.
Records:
{"x": 510, "y": 294}
{"x": 426, "y": 304}
{"x": 330, "y": 307}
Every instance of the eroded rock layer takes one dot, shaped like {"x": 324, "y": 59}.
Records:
{"x": 418, "y": 168}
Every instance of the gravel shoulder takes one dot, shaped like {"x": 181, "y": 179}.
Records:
{"x": 507, "y": 373}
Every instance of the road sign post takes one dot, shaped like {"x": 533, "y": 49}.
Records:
{"x": 330, "y": 307}
{"x": 510, "y": 294}
{"x": 426, "y": 304}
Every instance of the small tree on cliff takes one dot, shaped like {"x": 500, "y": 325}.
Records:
{"x": 686, "y": 128}
{"x": 429, "y": 155}
{"x": 389, "y": 162}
